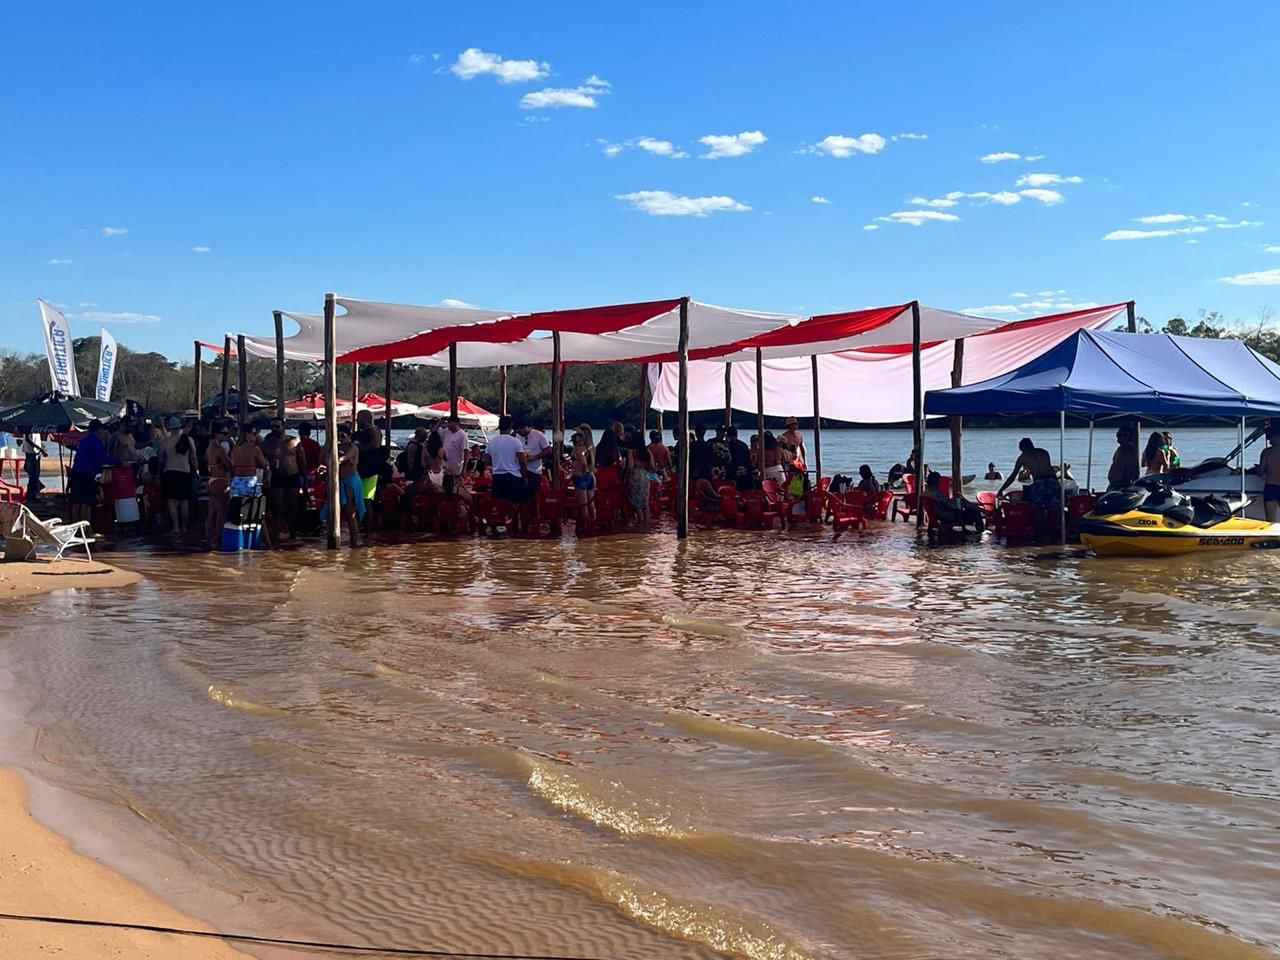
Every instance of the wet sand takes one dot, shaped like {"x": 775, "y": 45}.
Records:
{"x": 41, "y": 874}
{"x": 28, "y": 579}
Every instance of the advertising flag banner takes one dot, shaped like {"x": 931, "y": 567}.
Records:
{"x": 106, "y": 365}
{"x": 57, "y": 345}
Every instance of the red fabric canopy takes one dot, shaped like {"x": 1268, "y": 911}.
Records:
{"x": 1011, "y": 327}
{"x": 604, "y": 319}
{"x": 465, "y": 408}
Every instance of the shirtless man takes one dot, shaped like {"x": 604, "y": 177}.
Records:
{"x": 793, "y": 440}
{"x": 284, "y": 453}
{"x": 1044, "y": 492}
{"x": 1269, "y": 469}
{"x": 246, "y": 456}
{"x": 1124, "y": 463}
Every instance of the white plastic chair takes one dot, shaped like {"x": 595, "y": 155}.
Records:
{"x": 58, "y": 536}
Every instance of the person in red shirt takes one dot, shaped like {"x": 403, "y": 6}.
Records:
{"x": 312, "y": 452}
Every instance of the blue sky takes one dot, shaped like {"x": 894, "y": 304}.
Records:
{"x": 180, "y": 170}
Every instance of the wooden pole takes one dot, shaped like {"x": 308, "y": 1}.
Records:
{"x": 333, "y": 528}
{"x": 226, "y": 375}
{"x": 279, "y": 364}
{"x": 355, "y": 392}
{"x": 453, "y": 379}
{"x": 728, "y": 394}
{"x": 1131, "y": 311}
{"x": 1062, "y": 474}
{"x": 917, "y": 404}
{"x": 552, "y": 471}
{"x": 242, "y": 388}
{"x": 644, "y": 394}
{"x": 817, "y": 424}
{"x": 198, "y": 388}
{"x": 502, "y": 391}
{"x": 760, "y": 415}
{"x": 682, "y": 465}
{"x": 386, "y": 420}
{"x": 957, "y": 423}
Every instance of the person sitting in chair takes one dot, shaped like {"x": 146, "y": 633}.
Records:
{"x": 950, "y": 511}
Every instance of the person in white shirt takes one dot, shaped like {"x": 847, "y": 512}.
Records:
{"x": 455, "y": 450}
{"x": 33, "y": 450}
{"x": 505, "y": 453}
{"x": 537, "y": 453}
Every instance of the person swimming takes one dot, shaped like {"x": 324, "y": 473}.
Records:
{"x": 993, "y": 473}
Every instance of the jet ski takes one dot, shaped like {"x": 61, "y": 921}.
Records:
{"x": 1151, "y": 518}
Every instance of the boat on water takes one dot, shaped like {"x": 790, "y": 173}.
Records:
{"x": 1151, "y": 518}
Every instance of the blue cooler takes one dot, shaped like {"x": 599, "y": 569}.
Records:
{"x": 240, "y": 536}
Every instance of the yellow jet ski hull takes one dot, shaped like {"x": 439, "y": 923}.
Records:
{"x": 1137, "y": 533}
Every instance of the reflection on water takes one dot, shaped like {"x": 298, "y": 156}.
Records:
{"x": 755, "y": 746}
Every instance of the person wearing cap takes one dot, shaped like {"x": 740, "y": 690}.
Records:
{"x": 793, "y": 442}
{"x": 179, "y": 463}
{"x": 82, "y": 479}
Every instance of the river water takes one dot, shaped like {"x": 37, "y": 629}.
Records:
{"x": 762, "y": 746}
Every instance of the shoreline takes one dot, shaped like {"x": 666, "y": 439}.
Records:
{"x": 42, "y": 873}
{"x": 23, "y": 579}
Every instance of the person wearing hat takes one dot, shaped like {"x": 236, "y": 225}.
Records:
{"x": 82, "y": 479}
{"x": 793, "y": 442}
{"x": 179, "y": 464}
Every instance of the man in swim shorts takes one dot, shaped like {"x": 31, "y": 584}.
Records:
{"x": 1269, "y": 470}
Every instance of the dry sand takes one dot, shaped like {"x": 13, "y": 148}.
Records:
{"x": 26, "y": 579}
{"x": 41, "y": 874}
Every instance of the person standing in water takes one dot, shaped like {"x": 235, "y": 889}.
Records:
{"x": 1044, "y": 492}
{"x": 1269, "y": 470}
{"x": 1124, "y": 463}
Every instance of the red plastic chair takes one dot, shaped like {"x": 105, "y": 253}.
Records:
{"x": 823, "y": 484}
{"x": 989, "y": 506}
{"x": 492, "y": 514}
{"x": 660, "y": 498}
{"x": 844, "y": 516}
{"x": 609, "y": 508}
{"x": 549, "y": 514}
{"x": 11, "y": 493}
{"x": 1017, "y": 520}
{"x": 607, "y": 477}
{"x": 906, "y": 504}
{"x": 730, "y": 510}
{"x": 759, "y": 512}
{"x": 1077, "y": 507}
{"x": 451, "y": 516}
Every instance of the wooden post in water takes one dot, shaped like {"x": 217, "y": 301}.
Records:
{"x": 644, "y": 394}
{"x": 386, "y": 420}
{"x": 226, "y": 375}
{"x": 502, "y": 391}
{"x": 355, "y": 392}
{"x": 957, "y": 423}
{"x": 1131, "y": 310}
{"x": 760, "y": 416}
{"x": 453, "y": 379}
{"x": 552, "y": 472}
{"x": 728, "y": 394}
{"x": 917, "y": 407}
{"x": 682, "y": 467}
{"x": 817, "y": 424}
{"x": 333, "y": 529}
{"x": 242, "y": 388}
{"x": 279, "y": 364}
{"x": 198, "y": 386}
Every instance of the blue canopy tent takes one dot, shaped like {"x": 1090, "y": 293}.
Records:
{"x": 1095, "y": 373}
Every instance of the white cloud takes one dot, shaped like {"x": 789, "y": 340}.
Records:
{"x": 435, "y": 56}
{"x": 1005, "y": 198}
{"x": 473, "y": 62}
{"x": 1190, "y": 241}
{"x": 417, "y": 59}
{"x": 114, "y": 231}
{"x": 454, "y": 302}
{"x": 1045, "y": 179}
{"x": 1214, "y": 218}
{"x": 1259, "y": 278}
{"x": 909, "y": 136}
{"x": 823, "y": 200}
{"x": 841, "y": 146}
{"x": 918, "y": 218}
{"x": 1153, "y": 234}
{"x": 1034, "y": 157}
{"x": 1238, "y": 224}
{"x": 1047, "y": 197}
{"x": 995, "y": 309}
{"x": 84, "y": 305}
{"x": 871, "y": 226}
{"x": 721, "y": 145}
{"x": 1000, "y": 157}
{"x": 663, "y": 203}
{"x": 200, "y": 249}
{"x": 58, "y": 262}
{"x": 947, "y": 201}
{"x": 94, "y": 316}
{"x": 555, "y": 97}
{"x": 658, "y": 148}
{"x": 1020, "y": 296}
{"x": 1274, "y": 248}
{"x": 1165, "y": 218}
{"x": 1049, "y": 303}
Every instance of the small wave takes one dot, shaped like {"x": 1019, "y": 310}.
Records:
{"x": 609, "y": 805}
{"x": 1200, "y": 610}
{"x": 718, "y": 929}
{"x": 677, "y": 621}
{"x": 226, "y": 697}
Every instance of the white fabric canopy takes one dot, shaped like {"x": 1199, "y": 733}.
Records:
{"x": 867, "y": 387}
{"x": 365, "y": 323}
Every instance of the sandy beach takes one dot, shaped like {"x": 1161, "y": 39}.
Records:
{"x": 44, "y": 576}
{"x": 41, "y": 874}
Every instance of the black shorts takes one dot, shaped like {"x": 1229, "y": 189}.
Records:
{"x": 1271, "y": 493}
{"x": 176, "y": 485}
{"x": 286, "y": 481}
{"x": 82, "y": 488}
{"x": 509, "y": 487}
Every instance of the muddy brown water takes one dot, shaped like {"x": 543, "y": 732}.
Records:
{"x": 757, "y": 746}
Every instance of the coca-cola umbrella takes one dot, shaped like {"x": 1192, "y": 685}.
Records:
{"x": 377, "y": 405}
{"x": 56, "y": 412}
{"x": 469, "y": 414}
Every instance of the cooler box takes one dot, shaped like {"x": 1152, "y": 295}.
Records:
{"x": 124, "y": 491}
{"x": 239, "y": 536}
